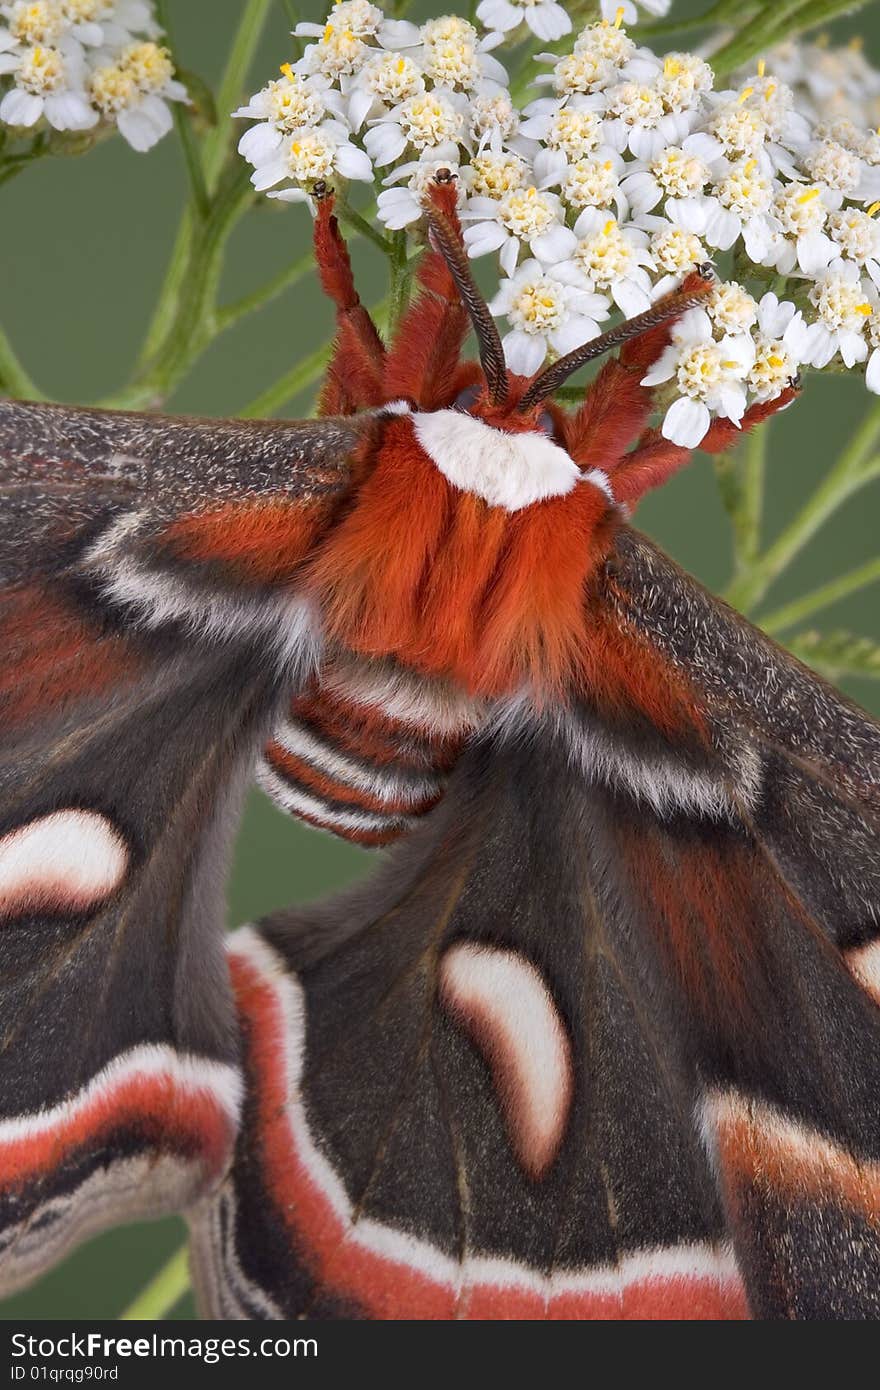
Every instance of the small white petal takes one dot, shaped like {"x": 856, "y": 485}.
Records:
{"x": 353, "y": 163}
{"x": 643, "y": 192}
{"x": 705, "y": 147}
{"x": 549, "y": 167}
{"x": 631, "y": 298}
{"x": 823, "y": 346}
{"x": 291, "y": 195}
{"x": 730, "y": 402}
{"x": 686, "y": 422}
{"x": 398, "y": 33}
{"x": 571, "y": 334}
{"x": 267, "y": 175}
{"x": 484, "y": 237}
{"x": 814, "y": 252}
{"x": 499, "y": 15}
{"x": 142, "y": 127}
{"x": 872, "y": 372}
{"x": 556, "y": 244}
{"x": 359, "y": 107}
{"x": 722, "y": 228}
{"x": 509, "y": 255}
{"x": 21, "y": 108}
{"x": 548, "y": 21}
{"x": 663, "y": 369}
{"x": 70, "y": 111}
{"x": 260, "y": 143}
{"x": 852, "y": 346}
{"x": 385, "y": 142}
{"x": 647, "y": 144}
{"x": 524, "y": 352}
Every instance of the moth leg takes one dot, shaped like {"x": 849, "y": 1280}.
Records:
{"x": 616, "y": 407}
{"x": 654, "y": 459}
{"x": 354, "y": 375}
{"x": 423, "y": 362}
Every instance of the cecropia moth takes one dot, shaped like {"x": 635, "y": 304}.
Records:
{"x": 601, "y": 1038}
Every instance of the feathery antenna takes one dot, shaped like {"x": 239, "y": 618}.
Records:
{"x": 447, "y": 241}
{"x": 671, "y": 306}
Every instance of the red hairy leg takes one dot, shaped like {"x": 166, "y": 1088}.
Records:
{"x": 655, "y": 459}
{"x": 616, "y": 407}
{"x": 354, "y": 375}
{"x": 424, "y": 357}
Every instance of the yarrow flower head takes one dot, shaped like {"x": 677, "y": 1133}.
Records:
{"x": 625, "y": 174}
{"x": 77, "y": 65}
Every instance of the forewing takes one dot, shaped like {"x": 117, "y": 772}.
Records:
{"x": 150, "y": 627}
{"x": 784, "y": 967}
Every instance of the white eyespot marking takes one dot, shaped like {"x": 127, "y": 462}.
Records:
{"x": 70, "y": 860}
{"x": 864, "y": 964}
{"x": 502, "y": 1003}
{"x": 507, "y": 470}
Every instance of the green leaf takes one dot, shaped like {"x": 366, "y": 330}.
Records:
{"x": 836, "y": 654}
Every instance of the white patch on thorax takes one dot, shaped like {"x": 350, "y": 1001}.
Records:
{"x": 507, "y": 470}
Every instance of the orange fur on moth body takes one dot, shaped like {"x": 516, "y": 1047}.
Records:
{"x": 439, "y": 579}
{"x": 423, "y": 561}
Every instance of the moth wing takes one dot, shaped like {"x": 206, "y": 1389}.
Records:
{"x": 149, "y": 627}
{"x": 596, "y": 1043}
{"x": 791, "y": 1062}
{"x": 466, "y": 1096}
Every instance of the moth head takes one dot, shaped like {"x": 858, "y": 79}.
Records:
{"x": 523, "y": 404}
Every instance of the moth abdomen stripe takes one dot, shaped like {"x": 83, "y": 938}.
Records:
{"x": 353, "y": 769}
{"x": 384, "y": 798}
{"x": 343, "y": 818}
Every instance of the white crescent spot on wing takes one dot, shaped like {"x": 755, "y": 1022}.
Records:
{"x": 70, "y": 860}
{"x": 864, "y": 963}
{"x": 505, "y": 1007}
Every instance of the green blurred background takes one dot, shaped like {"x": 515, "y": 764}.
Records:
{"x": 84, "y": 245}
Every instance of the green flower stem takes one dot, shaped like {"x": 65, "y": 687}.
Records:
{"x": 163, "y": 1293}
{"x": 14, "y": 380}
{"x": 853, "y": 470}
{"x": 232, "y": 86}
{"x": 820, "y": 598}
{"x": 194, "y": 326}
{"x": 724, "y": 11}
{"x": 191, "y": 153}
{"x": 815, "y": 12}
{"x": 741, "y": 483}
{"x": 286, "y": 278}
{"x": 767, "y": 27}
{"x": 302, "y": 374}
{"x": 401, "y": 280}
{"x": 163, "y": 325}
{"x": 776, "y": 21}
{"x": 169, "y": 296}
{"x": 357, "y": 223}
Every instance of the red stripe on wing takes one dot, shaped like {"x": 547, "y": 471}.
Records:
{"x": 188, "y": 1117}
{"x": 53, "y": 656}
{"x": 257, "y": 542}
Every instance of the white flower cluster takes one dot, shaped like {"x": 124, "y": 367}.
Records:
{"x": 831, "y": 84}
{"x": 77, "y": 63}
{"x": 624, "y": 175}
